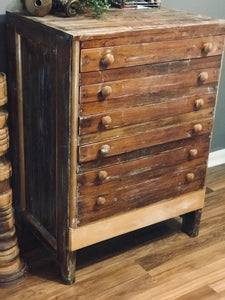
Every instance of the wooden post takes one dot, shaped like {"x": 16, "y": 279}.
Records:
{"x": 11, "y": 268}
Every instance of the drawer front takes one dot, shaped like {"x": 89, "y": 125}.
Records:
{"x": 142, "y": 136}
{"x": 148, "y": 85}
{"x": 140, "y": 54}
{"x": 166, "y": 183}
{"x": 126, "y": 157}
{"x": 107, "y": 178}
{"x": 141, "y": 114}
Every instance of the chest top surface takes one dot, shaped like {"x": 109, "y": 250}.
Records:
{"x": 116, "y": 22}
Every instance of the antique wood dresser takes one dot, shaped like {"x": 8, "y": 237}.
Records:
{"x": 112, "y": 121}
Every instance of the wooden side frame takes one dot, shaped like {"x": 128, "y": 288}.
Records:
{"x": 110, "y": 227}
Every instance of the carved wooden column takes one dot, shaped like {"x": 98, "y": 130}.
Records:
{"x": 11, "y": 268}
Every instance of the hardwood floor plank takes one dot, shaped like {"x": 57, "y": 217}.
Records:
{"x": 218, "y": 286}
{"x": 216, "y": 177}
{"x": 201, "y": 294}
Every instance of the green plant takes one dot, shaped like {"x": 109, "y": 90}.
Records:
{"x": 97, "y": 7}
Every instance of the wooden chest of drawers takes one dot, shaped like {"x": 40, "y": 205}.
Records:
{"x": 112, "y": 121}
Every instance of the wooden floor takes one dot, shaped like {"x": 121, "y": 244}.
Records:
{"x": 158, "y": 263}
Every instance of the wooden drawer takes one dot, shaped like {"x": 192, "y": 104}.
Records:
{"x": 125, "y": 139}
{"x": 92, "y": 180}
{"x": 96, "y": 165}
{"x": 144, "y": 53}
{"x": 141, "y": 114}
{"x": 148, "y": 85}
{"x": 150, "y": 188}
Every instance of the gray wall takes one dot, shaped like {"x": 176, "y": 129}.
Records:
{"x": 215, "y": 9}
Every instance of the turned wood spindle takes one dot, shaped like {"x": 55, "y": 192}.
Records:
{"x": 11, "y": 268}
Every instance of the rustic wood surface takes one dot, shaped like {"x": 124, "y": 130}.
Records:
{"x": 148, "y": 264}
{"x": 11, "y": 268}
{"x": 54, "y": 102}
{"x": 140, "y": 54}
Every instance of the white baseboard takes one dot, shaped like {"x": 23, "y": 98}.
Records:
{"x": 216, "y": 158}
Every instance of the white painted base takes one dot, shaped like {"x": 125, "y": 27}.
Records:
{"x": 216, "y": 158}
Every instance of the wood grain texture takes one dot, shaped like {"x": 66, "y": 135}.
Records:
{"x": 110, "y": 227}
{"x": 159, "y": 97}
{"x": 148, "y": 85}
{"x": 141, "y": 114}
{"x": 140, "y": 54}
{"x": 143, "y": 139}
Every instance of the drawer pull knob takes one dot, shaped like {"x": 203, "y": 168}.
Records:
{"x": 107, "y": 60}
{"x": 207, "y": 48}
{"x": 190, "y": 177}
{"x": 193, "y": 152}
{"x": 105, "y": 150}
{"x": 102, "y": 175}
{"x": 106, "y": 121}
{"x": 203, "y": 76}
{"x": 101, "y": 201}
{"x": 197, "y": 128}
{"x": 106, "y": 91}
{"x": 199, "y": 103}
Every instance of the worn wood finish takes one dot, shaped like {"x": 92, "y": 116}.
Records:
{"x": 142, "y": 153}
{"x": 110, "y": 227}
{"x": 111, "y": 121}
{"x": 143, "y": 53}
{"x": 166, "y": 157}
{"x": 134, "y": 115}
{"x": 162, "y": 68}
{"x": 141, "y": 140}
{"x": 147, "y": 85}
{"x": 11, "y": 268}
{"x": 146, "y": 189}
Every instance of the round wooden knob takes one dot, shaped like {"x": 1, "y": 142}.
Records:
{"x": 203, "y": 76}
{"x": 207, "y": 48}
{"x": 193, "y": 152}
{"x": 197, "y": 128}
{"x": 107, "y": 60}
{"x": 190, "y": 177}
{"x": 106, "y": 91}
{"x": 105, "y": 150}
{"x": 102, "y": 175}
{"x": 106, "y": 121}
{"x": 101, "y": 201}
{"x": 199, "y": 103}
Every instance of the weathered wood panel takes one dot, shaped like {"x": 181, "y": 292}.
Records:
{"x": 147, "y": 70}
{"x": 141, "y": 114}
{"x": 142, "y": 140}
{"x": 144, "y": 53}
{"x": 131, "y": 168}
{"x": 145, "y": 127}
{"x": 147, "y": 85}
{"x": 170, "y": 183}
{"x": 136, "y": 176}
